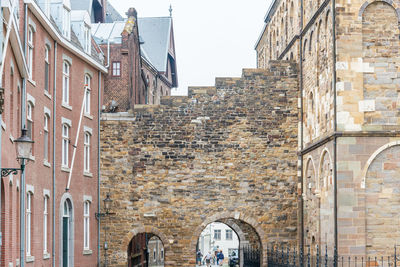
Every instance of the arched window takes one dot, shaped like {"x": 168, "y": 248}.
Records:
{"x": 45, "y": 223}
{"x": 67, "y": 234}
{"x": 46, "y": 68}
{"x": 66, "y": 76}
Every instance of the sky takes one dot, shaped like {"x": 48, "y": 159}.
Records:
{"x": 213, "y": 38}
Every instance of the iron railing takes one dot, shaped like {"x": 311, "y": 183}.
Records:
{"x": 291, "y": 257}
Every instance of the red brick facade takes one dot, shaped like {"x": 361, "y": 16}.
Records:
{"x": 41, "y": 172}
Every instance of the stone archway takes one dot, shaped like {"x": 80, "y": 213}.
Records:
{"x": 246, "y": 227}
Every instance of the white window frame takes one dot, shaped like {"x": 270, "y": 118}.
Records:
{"x": 86, "y": 152}
{"x": 86, "y": 225}
{"x": 88, "y": 80}
{"x": 45, "y": 222}
{"x": 116, "y": 72}
{"x": 87, "y": 38}
{"x": 47, "y": 8}
{"x": 66, "y": 22}
{"x": 31, "y": 32}
{"x": 230, "y": 235}
{"x": 29, "y": 196}
{"x": 46, "y": 137}
{"x": 29, "y": 118}
{"x": 66, "y": 82}
{"x": 47, "y": 63}
{"x": 65, "y": 145}
{"x": 217, "y": 236}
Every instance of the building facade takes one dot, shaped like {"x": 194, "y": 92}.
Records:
{"x": 142, "y": 60}
{"x": 57, "y": 100}
{"x": 349, "y": 141}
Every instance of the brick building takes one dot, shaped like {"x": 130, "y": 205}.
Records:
{"x": 53, "y": 90}
{"x": 142, "y": 59}
{"x": 349, "y": 130}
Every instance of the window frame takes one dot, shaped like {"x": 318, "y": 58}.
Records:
{"x": 47, "y": 69}
{"x": 88, "y": 80}
{"x": 66, "y": 82}
{"x": 87, "y": 38}
{"x": 65, "y": 146}
{"x": 45, "y": 223}
{"x": 46, "y": 138}
{"x": 116, "y": 71}
{"x": 29, "y": 119}
{"x": 217, "y": 234}
{"x": 86, "y": 225}
{"x": 31, "y": 47}
{"x": 66, "y": 22}
{"x": 28, "y": 234}
{"x": 86, "y": 152}
{"x": 228, "y": 234}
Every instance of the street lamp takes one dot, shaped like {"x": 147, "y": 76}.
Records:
{"x": 23, "y": 146}
{"x": 107, "y": 206}
{"x": 24, "y": 151}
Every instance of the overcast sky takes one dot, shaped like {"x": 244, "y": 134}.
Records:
{"x": 213, "y": 38}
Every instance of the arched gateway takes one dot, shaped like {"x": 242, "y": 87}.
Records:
{"x": 223, "y": 154}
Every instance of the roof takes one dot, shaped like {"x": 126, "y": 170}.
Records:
{"x": 81, "y": 5}
{"x": 271, "y": 11}
{"x": 156, "y": 34}
{"x": 112, "y": 14}
{"x": 108, "y": 32}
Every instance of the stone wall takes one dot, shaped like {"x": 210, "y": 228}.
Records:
{"x": 225, "y": 153}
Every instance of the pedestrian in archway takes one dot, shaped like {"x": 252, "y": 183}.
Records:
{"x": 199, "y": 256}
{"x": 207, "y": 259}
{"x": 220, "y": 258}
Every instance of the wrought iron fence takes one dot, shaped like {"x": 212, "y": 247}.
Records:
{"x": 288, "y": 257}
{"x": 251, "y": 256}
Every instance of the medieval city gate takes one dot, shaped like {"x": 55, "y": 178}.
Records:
{"x": 225, "y": 153}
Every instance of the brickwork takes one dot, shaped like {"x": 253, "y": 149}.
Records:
{"x": 226, "y": 153}
{"x": 364, "y": 86}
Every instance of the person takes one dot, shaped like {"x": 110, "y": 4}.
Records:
{"x": 199, "y": 255}
{"x": 220, "y": 258}
{"x": 207, "y": 259}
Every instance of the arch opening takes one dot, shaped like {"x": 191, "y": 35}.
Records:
{"x": 146, "y": 250}
{"x": 238, "y": 241}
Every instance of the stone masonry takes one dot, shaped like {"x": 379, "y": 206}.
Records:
{"x": 225, "y": 153}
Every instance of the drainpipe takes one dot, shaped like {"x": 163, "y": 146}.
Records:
{"x": 53, "y": 234}
{"x": 335, "y": 125}
{"x": 301, "y": 130}
{"x": 23, "y": 122}
{"x": 1, "y": 85}
{"x": 98, "y": 167}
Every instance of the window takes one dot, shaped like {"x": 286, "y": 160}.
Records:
{"x": 154, "y": 254}
{"x": 86, "y": 153}
{"x": 86, "y": 226}
{"x": 217, "y": 234}
{"x": 46, "y": 138}
{"x": 45, "y": 223}
{"x": 65, "y": 147}
{"x": 30, "y": 51}
{"x": 87, "y": 39}
{"x": 29, "y": 118}
{"x": 162, "y": 253}
{"x": 228, "y": 234}
{"x": 47, "y": 8}
{"x": 46, "y": 69}
{"x": 65, "y": 94}
{"x": 87, "y": 94}
{"x": 29, "y": 196}
{"x": 66, "y": 23}
{"x": 116, "y": 69}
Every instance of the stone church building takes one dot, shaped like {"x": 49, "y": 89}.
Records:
{"x": 303, "y": 150}
{"x": 348, "y": 56}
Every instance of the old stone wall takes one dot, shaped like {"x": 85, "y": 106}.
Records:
{"x": 225, "y": 153}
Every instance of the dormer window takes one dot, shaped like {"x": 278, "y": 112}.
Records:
{"x": 86, "y": 39}
{"x": 66, "y": 23}
{"x": 47, "y": 8}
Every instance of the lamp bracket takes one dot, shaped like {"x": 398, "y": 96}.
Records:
{"x": 7, "y": 171}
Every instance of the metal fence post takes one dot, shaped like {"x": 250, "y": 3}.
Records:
{"x": 308, "y": 257}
